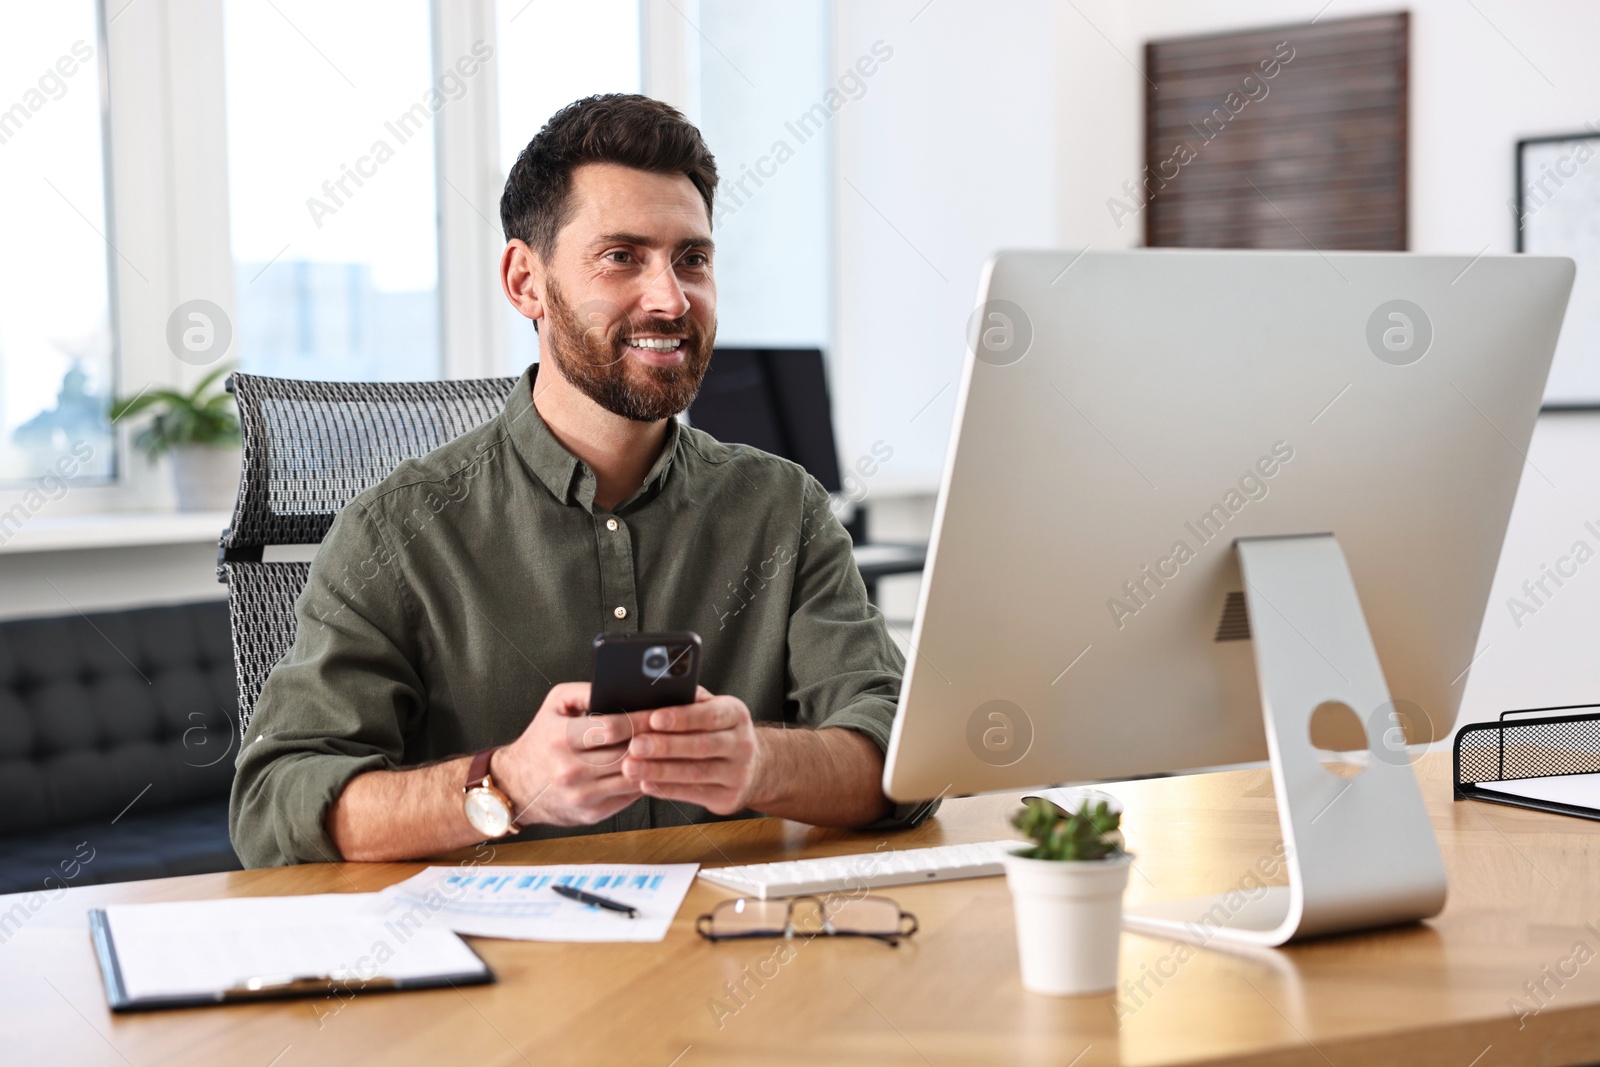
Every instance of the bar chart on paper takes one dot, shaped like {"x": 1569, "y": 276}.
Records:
{"x": 519, "y": 902}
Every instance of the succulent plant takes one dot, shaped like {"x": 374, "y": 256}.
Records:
{"x": 1090, "y": 833}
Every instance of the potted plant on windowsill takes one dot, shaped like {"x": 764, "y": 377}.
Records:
{"x": 200, "y": 429}
{"x": 1066, "y": 890}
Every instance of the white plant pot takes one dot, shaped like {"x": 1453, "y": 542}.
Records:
{"x": 206, "y": 477}
{"x": 1069, "y": 921}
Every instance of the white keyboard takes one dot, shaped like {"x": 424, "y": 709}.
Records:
{"x": 870, "y": 870}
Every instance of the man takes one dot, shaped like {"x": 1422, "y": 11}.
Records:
{"x": 431, "y": 698}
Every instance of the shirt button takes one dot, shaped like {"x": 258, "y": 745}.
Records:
{"x": 611, "y": 524}
{"x": 621, "y": 613}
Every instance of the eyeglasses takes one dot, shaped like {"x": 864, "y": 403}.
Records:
{"x": 876, "y": 917}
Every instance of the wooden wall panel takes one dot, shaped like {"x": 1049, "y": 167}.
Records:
{"x": 1289, "y": 137}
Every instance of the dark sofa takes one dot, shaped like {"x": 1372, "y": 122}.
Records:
{"x": 117, "y": 737}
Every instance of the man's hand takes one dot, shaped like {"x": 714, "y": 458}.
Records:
{"x": 567, "y": 767}
{"x": 704, "y": 753}
{"x": 570, "y": 768}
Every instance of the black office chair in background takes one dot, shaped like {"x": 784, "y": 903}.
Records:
{"x": 776, "y": 399}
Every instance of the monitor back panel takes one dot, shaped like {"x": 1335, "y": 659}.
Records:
{"x": 1082, "y": 582}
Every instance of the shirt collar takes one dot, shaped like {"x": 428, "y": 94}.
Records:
{"x": 568, "y": 478}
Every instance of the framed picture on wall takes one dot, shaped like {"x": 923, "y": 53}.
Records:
{"x": 1238, "y": 124}
{"x": 1558, "y": 214}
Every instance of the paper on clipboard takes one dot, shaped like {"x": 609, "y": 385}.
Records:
{"x": 204, "y": 950}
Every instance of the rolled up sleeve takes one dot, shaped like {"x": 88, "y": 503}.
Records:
{"x": 844, "y": 668}
{"x": 339, "y": 703}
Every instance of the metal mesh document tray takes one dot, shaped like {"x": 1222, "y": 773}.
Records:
{"x": 1552, "y": 745}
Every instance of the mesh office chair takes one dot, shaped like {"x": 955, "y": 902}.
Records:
{"x": 309, "y": 449}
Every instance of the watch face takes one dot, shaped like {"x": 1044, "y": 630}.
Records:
{"x": 487, "y": 813}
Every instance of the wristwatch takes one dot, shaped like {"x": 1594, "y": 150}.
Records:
{"x": 488, "y": 809}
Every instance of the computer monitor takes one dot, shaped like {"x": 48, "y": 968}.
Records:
{"x": 775, "y": 400}
{"x": 1132, "y": 425}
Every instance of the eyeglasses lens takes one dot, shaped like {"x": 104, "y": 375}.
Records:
{"x": 877, "y": 916}
{"x": 733, "y": 918}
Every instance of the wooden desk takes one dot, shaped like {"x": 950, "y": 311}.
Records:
{"x": 1523, "y": 886}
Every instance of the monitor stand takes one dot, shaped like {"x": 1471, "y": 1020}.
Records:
{"x": 1360, "y": 852}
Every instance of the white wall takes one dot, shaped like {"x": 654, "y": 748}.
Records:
{"x": 769, "y": 67}
{"x": 949, "y": 155}
{"x": 1100, "y": 100}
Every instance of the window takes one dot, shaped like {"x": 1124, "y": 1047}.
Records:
{"x": 598, "y": 53}
{"x": 338, "y": 171}
{"x": 56, "y": 365}
{"x": 331, "y": 110}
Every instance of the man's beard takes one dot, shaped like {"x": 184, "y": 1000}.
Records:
{"x": 595, "y": 359}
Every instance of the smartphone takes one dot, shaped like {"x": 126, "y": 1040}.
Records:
{"x": 639, "y": 672}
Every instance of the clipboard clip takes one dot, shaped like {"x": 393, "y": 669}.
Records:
{"x": 277, "y": 985}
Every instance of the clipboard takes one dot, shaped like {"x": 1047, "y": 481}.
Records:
{"x": 174, "y": 955}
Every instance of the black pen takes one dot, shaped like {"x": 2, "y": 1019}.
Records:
{"x": 600, "y": 902}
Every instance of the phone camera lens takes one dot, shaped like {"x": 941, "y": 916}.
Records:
{"x": 656, "y": 662}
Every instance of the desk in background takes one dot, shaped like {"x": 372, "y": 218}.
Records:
{"x": 1523, "y": 886}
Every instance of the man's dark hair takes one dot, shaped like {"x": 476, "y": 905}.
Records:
{"x": 622, "y": 128}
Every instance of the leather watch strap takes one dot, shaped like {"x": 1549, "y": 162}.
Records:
{"x": 478, "y": 781}
{"x": 479, "y": 770}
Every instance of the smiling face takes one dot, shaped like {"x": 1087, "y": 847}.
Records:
{"x": 627, "y": 299}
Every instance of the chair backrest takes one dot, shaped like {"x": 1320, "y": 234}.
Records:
{"x": 774, "y": 399}
{"x": 261, "y": 600}
{"x": 309, "y": 449}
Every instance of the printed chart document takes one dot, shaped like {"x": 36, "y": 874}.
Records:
{"x": 207, "y": 951}
{"x": 517, "y": 902}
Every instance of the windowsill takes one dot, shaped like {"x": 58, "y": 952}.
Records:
{"x": 115, "y": 530}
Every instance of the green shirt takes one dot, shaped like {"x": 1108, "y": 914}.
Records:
{"x": 447, "y": 600}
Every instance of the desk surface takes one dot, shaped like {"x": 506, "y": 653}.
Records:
{"x": 1522, "y": 889}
